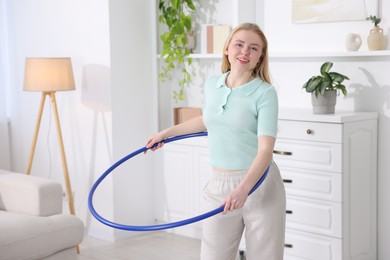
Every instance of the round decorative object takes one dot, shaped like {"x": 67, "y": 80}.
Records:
{"x": 376, "y": 40}
{"x": 159, "y": 226}
{"x": 353, "y": 42}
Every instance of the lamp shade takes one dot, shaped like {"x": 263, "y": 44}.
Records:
{"x": 48, "y": 74}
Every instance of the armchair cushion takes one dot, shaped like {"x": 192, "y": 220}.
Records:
{"x": 33, "y": 237}
{"x": 31, "y": 223}
{"x": 30, "y": 195}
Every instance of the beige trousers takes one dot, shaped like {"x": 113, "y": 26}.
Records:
{"x": 263, "y": 217}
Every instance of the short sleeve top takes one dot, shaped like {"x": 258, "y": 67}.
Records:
{"x": 235, "y": 117}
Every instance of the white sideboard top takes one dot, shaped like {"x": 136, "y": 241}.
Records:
{"x": 300, "y": 114}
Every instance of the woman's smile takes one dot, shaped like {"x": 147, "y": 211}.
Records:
{"x": 243, "y": 60}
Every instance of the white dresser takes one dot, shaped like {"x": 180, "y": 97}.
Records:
{"x": 328, "y": 164}
{"x": 329, "y": 167}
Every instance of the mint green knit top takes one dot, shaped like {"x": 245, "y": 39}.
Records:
{"x": 235, "y": 117}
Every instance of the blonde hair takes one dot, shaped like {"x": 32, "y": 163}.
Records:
{"x": 262, "y": 69}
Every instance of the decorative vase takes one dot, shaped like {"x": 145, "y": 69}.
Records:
{"x": 353, "y": 42}
{"x": 191, "y": 41}
{"x": 324, "y": 104}
{"x": 376, "y": 40}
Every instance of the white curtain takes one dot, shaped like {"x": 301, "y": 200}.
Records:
{"x": 5, "y": 161}
{"x": 4, "y": 75}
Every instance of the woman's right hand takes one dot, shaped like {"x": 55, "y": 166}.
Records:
{"x": 155, "y": 139}
{"x": 190, "y": 126}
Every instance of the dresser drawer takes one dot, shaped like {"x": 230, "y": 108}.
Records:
{"x": 308, "y": 155}
{"x": 310, "y": 131}
{"x": 300, "y": 245}
{"x": 315, "y": 216}
{"x": 312, "y": 184}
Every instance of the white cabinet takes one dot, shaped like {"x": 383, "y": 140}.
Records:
{"x": 329, "y": 166}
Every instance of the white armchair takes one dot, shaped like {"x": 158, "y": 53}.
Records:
{"x": 31, "y": 223}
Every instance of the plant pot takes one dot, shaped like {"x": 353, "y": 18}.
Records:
{"x": 324, "y": 104}
{"x": 376, "y": 40}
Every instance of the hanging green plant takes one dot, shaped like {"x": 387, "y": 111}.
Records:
{"x": 175, "y": 15}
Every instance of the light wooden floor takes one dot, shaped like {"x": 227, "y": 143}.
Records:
{"x": 148, "y": 246}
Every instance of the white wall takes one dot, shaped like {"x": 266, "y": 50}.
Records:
{"x": 80, "y": 30}
{"x": 134, "y": 120}
{"x": 112, "y": 60}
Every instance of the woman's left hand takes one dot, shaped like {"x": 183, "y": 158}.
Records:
{"x": 235, "y": 200}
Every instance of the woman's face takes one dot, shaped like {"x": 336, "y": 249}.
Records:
{"x": 244, "y": 50}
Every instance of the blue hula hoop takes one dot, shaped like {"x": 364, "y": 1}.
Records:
{"x": 159, "y": 226}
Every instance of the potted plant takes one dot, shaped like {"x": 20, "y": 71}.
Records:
{"x": 376, "y": 40}
{"x": 175, "y": 14}
{"x": 324, "y": 89}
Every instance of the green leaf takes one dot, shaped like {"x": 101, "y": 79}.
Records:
{"x": 161, "y": 5}
{"x": 187, "y": 21}
{"x": 337, "y": 77}
{"x": 317, "y": 92}
{"x": 326, "y": 67}
{"x": 325, "y": 84}
{"x": 343, "y": 89}
{"x": 313, "y": 83}
{"x": 327, "y": 77}
{"x": 176, "y": 4}
{"x": 190, "y": 5}
{"x": 164, "y": 37}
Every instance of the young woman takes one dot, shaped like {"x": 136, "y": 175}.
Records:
{"x": 240, "y": 114}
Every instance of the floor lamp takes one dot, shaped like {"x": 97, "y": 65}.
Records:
{"x": 48, "y": 75}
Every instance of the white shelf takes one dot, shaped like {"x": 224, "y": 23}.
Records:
{"x": 201, "y": 56}
{"x": 301, "y": 114}
{"x": 384, "y": 53}
{"x": 341, "y": 54}
{"x": 293, "y": 55}
{"x": 206, "y": 56}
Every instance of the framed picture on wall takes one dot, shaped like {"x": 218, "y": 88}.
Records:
{"x": 313, "y": 11}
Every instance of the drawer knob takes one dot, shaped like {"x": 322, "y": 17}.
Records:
{"x": 309, "y": 131}
{"x": 289, "y": 212}
{"x": 287, "y": 181}
{"x": 282, "y": 152}
{"x": 288, "y": 245}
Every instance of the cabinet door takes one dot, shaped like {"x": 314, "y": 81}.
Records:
{"x": 176, "y": 187}
{"x": 202, "y": 172}
{"x": 186, "y": 171}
